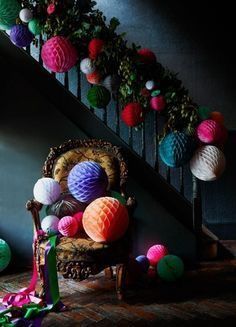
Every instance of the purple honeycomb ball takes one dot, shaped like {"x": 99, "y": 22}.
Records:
{"x": 87, "y": 181}
{"x": 143, "y": 262}
{"x": 21, "y": 36}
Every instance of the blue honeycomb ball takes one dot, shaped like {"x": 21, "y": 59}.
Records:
{"x": 21, "y": 36}
{"x": 87, "y": 181}
{"x": 176, "y": 149}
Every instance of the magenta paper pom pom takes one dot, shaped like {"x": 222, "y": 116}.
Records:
{"x": 158, "y": 103}
{"x": 47, "y": 190}
{"x": 21, "y": 36}
{"x": 156, "y": 253}
{"x": 209, "y": 131}
{"x": 59, "y": 55}
{"x": 79, "y": 217}
{"x": 68, "y": 226}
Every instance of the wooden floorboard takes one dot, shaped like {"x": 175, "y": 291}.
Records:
{"x": 204, "y": 297}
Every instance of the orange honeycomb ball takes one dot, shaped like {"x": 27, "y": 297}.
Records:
{"x": 217, "y": 116}
{"x": 94, "y": 78}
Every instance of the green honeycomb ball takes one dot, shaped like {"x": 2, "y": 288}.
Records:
{"x": 9, "y": 11}
{"x": 5, "y": 255}
{"x": 170, "y": 268}
{"x": 35, "y": 26}
{"x": 204, "y": 112}
{"x": 98, "y": 96}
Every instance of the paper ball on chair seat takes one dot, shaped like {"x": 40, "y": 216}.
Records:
{"x": 68, "y": 226}
{"x": 58, "y": 54}
{"x": 176, "y": 149}
{"x": 170, "y": 268}
{"x": 98, "y": 97}
{"x": 47, "y": 190}
{"x": 86, "y": 66}
{"x": 49, "y": 225}
{"x": 26, "y": 15}
{"x": 9, "y": 11}
{"x": 156, "y": 253}
{"x": 208, "y": 163}
{"x": 21, "y": 36}
{"x": 66, "y": 205}
{"x": 5, "y": 255}
{"x": 209, "y": 131}
{"x": 105, "y": 220}
{"x": 95, "y": 47}
{"x": 87, "y": 181}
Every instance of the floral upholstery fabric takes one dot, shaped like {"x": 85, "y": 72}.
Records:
{"x": 70, "y": 158}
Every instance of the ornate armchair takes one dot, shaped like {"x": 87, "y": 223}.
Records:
{"x": 79, "y": 257}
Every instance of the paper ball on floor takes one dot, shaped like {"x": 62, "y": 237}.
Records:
{"x": 143, "y": 262}
{"x": 95, "y": 47}
{"x": 176, "y": 149}
{"x": 34, "y": 26}
{"x": 49, "y": 225}
{"x": 111, "y": 83}
{"x": 170, "y": 268}
{"x": 94, "y": 78}
{"x": 5, "y": 255}
{"x": 150, "y": 85}
{"x": 132, "y": 114}
{"x": 217, "y": 117}
{"x": 21, "y": 36}
{"x": 87, "y": 181}
{"x": 98, "y": 97}
{"x": 203, "y": 112}
{"x": 156, "y": 253}
{"x": 209, "y": 131}
{"x": 47, "y": 190}
{"x": 208, "y": 163}
{"x": 147, "y": 56}
{"x": 9, "y": 11}
{"x": 68, "y": 226}
{"x": 26, "y": 15}
{"x": 58, "y": 54}
{"x": 87, "y": 66}
{"x": 158, "y": 103}
{"x": 105, "y": 220}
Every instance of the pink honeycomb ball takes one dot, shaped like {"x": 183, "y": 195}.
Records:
{"x": 79, "y": 217}
{"x": 156, "y": 253}
{"x": 68, "y": 226}
{"x": 158, "y": 103}
{"x": 210, "y": 132}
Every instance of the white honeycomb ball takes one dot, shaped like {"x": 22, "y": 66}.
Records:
{"x": 26, "y": 15}
{"x": 150, "y": 85}
{"x": 47, "y": 191}
{"x": 86, "y": 66}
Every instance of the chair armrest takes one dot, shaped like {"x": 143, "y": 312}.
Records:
{"x": 34, "y": 207}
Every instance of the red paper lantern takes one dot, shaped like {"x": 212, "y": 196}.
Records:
{"x": 132, "y": 114}
{"x": 217, "y": 116}
{"x": 210, "y": 132}
{"x": 105, "y": 220}
{"x": 158, "y": 103}
{"x": 147, "y": 56}
{"x": 94, "y": 78}
{"x": 95, "y": 47}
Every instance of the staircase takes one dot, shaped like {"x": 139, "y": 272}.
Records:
{"x": 176, "y": 189}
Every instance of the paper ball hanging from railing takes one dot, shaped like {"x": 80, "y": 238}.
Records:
{"x": 155, "y": 253}
{"x": 34, "y": 26}
{"x": 98, "y": 97}
{"x": 26, "y": 15}
{"x": 208, "y": 163}
{"x": 94, "y": 78}
{"x": 158, "y": 103}
{"x": 132, "y": 114}
{"x": 111, "y": 83}
{"x": 210, "y": 132}
{"x": 87, "y": 66}
{"x": 47, "y": 190}
{"x": 49, "y": 225}
{"x": 95, "y": 47}
{"x": 5, "y": 255}
{"x": 217, "y": 116}
{"x": 21, "y": 36}
{"x": 58, "y": 54}
{"x": 146, "y": 56}
{"x": 66, "y": 205}
{"x": 87, "y": 181}
{"x": 9, "y": 11}
{"x": 176, "y": 149}
{"x": 105, "y": 220}
{"x": 68, "y": 226}
{"x": 170, "y": 268}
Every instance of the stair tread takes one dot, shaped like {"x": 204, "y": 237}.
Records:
{"x": 230, "y": 245}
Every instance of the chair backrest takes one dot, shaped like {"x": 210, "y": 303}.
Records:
{"x": 63, "y": 158}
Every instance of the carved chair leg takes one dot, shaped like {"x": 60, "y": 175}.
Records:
{"x": 109, "y": 272}
{"x": 120, "y": 280}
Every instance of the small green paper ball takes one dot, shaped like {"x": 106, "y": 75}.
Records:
{"x": 9, "y": 11}
{"x": 98, "y": 96}
{"x": 5, "y": 255}
{"x": 204, "y": 112}
{"x": 119, "y": 197}
{"x": 35, "y": 26}
{"x": 170, "y": 268}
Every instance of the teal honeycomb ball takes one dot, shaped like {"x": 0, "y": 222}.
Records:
{"x": 176, "y": 149}
{"x": 34, "y": 26}
{"x": 98, "y": 96}
{"x": 170, "y": 268}
{"x": 5, "y": 255}
{"x": 9, "y": 11}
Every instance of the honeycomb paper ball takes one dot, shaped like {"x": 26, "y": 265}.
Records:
{"x": 21, "y": 36}
{"x": 111, "y": 83}
{"x": 5, "y": 255}
{"x": 87, "y": 66}
{"x": 49, "y": 225}
{"x": 170, "y": 268}
{"x": 47, "y": 190}
{"x": 98, "y": 97}
{"x": 94, "y": 78}
{"x": 150, "y": 85}
{"x": 9, "y": 11}
{"x": 87, "y": 181}
{"x": 105, "y": 220}
{"x": 147, "y": 56}
{"x": 156, "y": 253}
{"x": 58, "y": 54}
{"x": 209, "y": 131}
{"x": 66, "y": 205}
{"x": 217, "y": 117}
{"x": 132, "y": 114}
{"x": 34, "y": 26}
{"x": 204, "y": 112}
{"x": 208, "y": 163}
{"x": 26, "y": 15}
{"x": 176, "y": 149}
{"x": 143, "y": 262}
{"x": 158, "y": 103}
{"x": 95, "y": 47}
{"x": 68, "y": 226}
{"x": 79, "y": 217}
